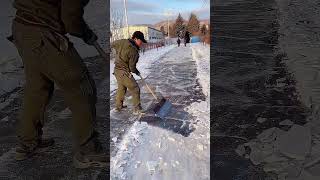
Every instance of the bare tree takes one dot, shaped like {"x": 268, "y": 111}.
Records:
{"x": 116, "y": 23}
{"x": 203, "y": 29}
{"x": 162, "y": 30}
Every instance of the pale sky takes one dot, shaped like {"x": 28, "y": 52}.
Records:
{"x": 152, "y": 11}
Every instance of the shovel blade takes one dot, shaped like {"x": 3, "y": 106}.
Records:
{"x": 163, "y": 109}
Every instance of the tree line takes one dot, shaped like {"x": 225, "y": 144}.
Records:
{"x": 179, "y": 28}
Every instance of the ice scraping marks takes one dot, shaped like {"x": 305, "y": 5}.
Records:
{"x": 177, "y": 121}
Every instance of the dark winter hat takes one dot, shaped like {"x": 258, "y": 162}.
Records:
{"x": 139, "y": 35}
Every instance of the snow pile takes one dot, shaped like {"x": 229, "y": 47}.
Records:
{"x": 201, "y": 53}
{"x": 162, "y": 154}
{"x": 146, "y": 60}
{"x": 201, "y": 110}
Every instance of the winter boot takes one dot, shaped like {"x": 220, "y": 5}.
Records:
{"x": 89, "y": 155}
{"x": 24, "y": 152}
{"x": 118, "y": 109}
{"x": 45, "y": 142}
{"x": 138, "y": 110}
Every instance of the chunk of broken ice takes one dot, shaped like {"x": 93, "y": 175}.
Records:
{"x": 171, "y": 139}
{"x": 270, "y": 135}
{"x": 286, "y": 122}
{"x": 159, "y": 144}
{"x": 241, "y": 150}
{"x": 152, "y": 165}
{"x": 296, "y": 143}
{"x": 137, "y": 164}
{"x": 114, "y": 139}
{"x": 6, "y": 119}
{"x": 261, "y": 120}
{"x": 200, "y": 147}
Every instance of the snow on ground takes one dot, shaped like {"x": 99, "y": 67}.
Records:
{"x": 294, "y": 154}
{"x": 299, "y": 39}
{"x": 11, "y": 75}
{"x": 148, "y": 152}
{"x": 9, "y": 58}
{"x": 144, "y": 63}
{"x": 201, "y": 55}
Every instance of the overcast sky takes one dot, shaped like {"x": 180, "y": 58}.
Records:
{"x": 152, "y": 11}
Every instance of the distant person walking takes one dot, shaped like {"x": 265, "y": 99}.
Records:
{"x": 186, "y": 38}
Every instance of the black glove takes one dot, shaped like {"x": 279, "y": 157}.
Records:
{"x": 10, "y": 38}
{"x": 90, "y": 37}
{"x": 137, "y": 73}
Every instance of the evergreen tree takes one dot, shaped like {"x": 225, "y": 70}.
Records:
{"x": 193, "y": 24}
{"x": 179, "y": 26}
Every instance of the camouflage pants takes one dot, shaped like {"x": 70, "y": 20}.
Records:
{"x": 47, "y": 64}
{"x": 126, "y": 81}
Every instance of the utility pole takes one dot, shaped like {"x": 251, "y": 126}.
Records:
{"x": 126, "y": 16}
{"x": 168, "y": 18}
{"x": 168, "y": 13}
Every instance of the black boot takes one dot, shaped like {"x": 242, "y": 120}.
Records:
{"x": 138, "y": 110}
{"x": 24, "y": 152}
{"x": 90, "y": 154}
{"x": 118, "y": 109}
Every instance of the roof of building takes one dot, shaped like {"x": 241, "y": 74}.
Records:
{"x": 149, "y": 25}
{"x": 154, "y": 29}
{"x": 146, "y": 25}
{"x": 138, "y": 25}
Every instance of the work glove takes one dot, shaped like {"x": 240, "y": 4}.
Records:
{"x": 10, "y": 38}
{"x": 89, "y": 37}
{"x": 137, "y": 73}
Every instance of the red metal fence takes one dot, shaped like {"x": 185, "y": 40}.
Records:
{"x": 157, "y": 45}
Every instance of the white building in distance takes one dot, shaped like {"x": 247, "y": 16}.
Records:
{"x": 152, "y": 35}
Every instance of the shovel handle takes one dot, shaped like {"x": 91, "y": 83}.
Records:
{"x": 155, "y": 97}
{"x": 100, "y": 50}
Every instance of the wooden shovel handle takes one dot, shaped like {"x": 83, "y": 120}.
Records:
{"x": 100, "y": 50}
{"x": 155, "y": 97}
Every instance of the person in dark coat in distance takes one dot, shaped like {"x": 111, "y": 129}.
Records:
{"x": 186, "y": 38}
